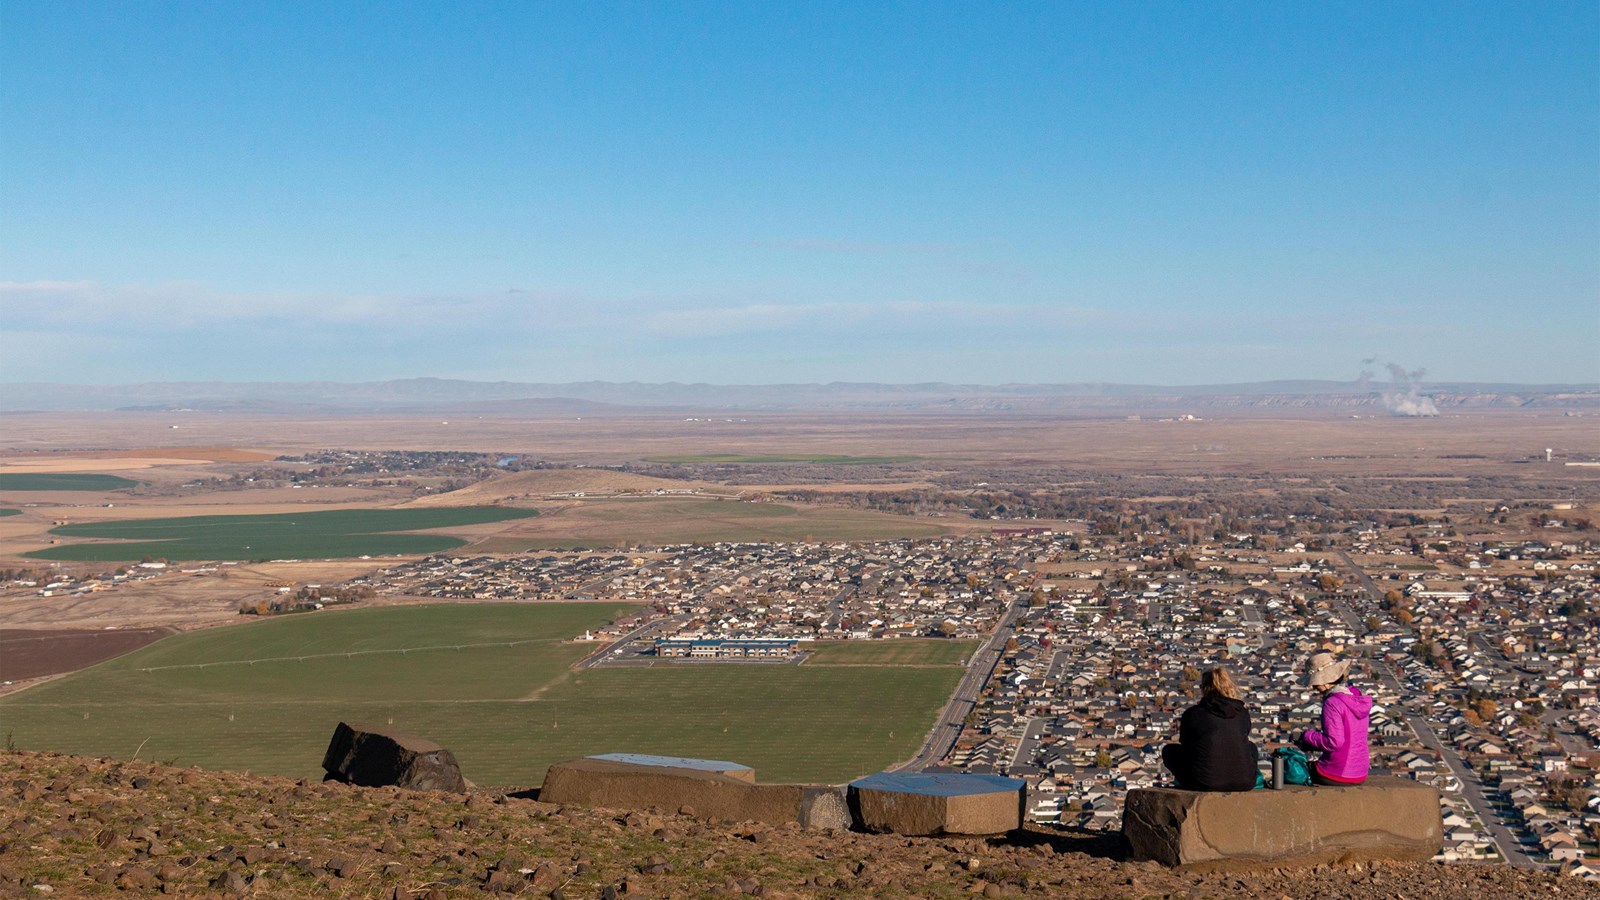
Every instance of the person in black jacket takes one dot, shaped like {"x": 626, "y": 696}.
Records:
{"x": 1214, "y": 752}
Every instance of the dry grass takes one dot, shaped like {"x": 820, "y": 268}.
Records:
{"x": 1393, "y": 446}
{"x": 210, "y": 444}
{"x": 614, "y": 522}
{"x": 542, "y": 483}
{"x": 125, "y": 460}
{"x": 87, "y": 827}
{"x": 173, "y": 599}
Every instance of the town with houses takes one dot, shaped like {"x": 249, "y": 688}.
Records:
{"x": 1481, "y": 653}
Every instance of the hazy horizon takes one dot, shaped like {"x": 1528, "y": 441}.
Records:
{"x": 1371, "y": 383}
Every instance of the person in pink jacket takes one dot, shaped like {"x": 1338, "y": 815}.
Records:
{"x": 1346, "y": 713}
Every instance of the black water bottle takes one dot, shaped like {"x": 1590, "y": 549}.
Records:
{"x": 1277, "y": 773}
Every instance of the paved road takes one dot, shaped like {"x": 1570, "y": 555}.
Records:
{"x": 836, "y": 606}
{"x": 965, "y": 699}
{"x": 1471, "y": 788}
{"x": 1569, "y": 741}
{"x": 1572, "y": 743}
{"x": 1373, "y": 591}
{"x": 1028, "y": 743}
{"x": 869, "y": 578}
{"x": 1255, "y": 622}
{"x": 588, "y": 590}
{"x": 1058, "y": 667}
{"x": 643, "y": 631}
{"x": 1033, "y": 729}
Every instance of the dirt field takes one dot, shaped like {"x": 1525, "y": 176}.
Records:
{"x": 81, "y": 464}
{"x": 1290, "y": 445}
{"x": 226, "y": 503}
{"x": 32, "y": 654}
{"x": 542, "y": 483}
{"x": 123, "y": 460}
{"x": 174, "y": 599}
{"x": 1502, "y": 444}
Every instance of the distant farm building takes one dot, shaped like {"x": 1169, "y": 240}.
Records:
{"x": 727, "y": 648}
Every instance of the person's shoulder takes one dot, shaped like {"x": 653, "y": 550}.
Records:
{"x": 1351, "y": 698}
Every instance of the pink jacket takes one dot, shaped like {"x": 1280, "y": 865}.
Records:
{"x": 1343, "y": 738}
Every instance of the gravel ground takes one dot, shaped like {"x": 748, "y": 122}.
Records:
{"x": 74, "y": 826}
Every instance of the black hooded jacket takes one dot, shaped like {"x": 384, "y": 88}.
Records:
{"x": 1216, "y": 752}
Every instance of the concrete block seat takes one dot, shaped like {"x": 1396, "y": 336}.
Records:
{"x": 923, "y": 803}
{"x": 710, "y": 787}
{"x": 733, "y": 770}
{"x": 1384, "y": 818}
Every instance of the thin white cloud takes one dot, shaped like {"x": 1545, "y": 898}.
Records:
{"x": 54, "y": 305}
{"x": 178, "y": 331}
{"x": 90, "y": 307}
{"x": 861, "y": 248}
{"x": 892, "y": 316}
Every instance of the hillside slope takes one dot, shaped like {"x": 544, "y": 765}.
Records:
{"x": 73, "y": 826}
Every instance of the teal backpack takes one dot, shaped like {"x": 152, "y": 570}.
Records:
{"x": 1296, "y": 765}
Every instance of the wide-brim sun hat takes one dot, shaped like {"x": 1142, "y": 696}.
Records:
{"x": 1325, "y": 668}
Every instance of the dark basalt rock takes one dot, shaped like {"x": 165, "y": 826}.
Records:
{"x": 373, "y": 757}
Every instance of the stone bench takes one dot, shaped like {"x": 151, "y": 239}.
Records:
{"x": 1385, "y": 818}
{"x": 715, "y": 788}
{"x": 924, "y": 803}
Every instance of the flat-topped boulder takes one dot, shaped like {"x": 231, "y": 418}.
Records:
{"x": 377, "y": 757}
{"x": 1385, "y": 818}
{"x": 733, "y": 770}
{"x": 927, "y": 803}
{"x": 715, "y": 788}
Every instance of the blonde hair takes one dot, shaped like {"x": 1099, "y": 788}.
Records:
{"x": 1218, "y": 681}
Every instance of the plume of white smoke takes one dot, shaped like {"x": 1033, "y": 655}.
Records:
{"x": 1366, "y": 372}
{"x": 1402, "y": 396}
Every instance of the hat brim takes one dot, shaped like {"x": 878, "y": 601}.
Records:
{"x": 1328, "y": 674}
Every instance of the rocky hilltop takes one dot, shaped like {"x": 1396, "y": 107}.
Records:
{"x": 75, "y": 826}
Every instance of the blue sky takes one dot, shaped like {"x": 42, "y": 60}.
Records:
{"x": 756, "y": 193}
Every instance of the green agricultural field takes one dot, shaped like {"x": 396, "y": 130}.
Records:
{"x": 62, "y": 481}
{"x": 902, "y": 652}
{"x": 329, "y": 534}
{"x": 9, "y": 512}
{"x": 816, "y": 459}
{"x": 618, "y": 522}
{"x": 265, "y": 697}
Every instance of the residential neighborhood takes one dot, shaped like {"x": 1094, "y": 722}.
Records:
{"x": 1481, "y": 653}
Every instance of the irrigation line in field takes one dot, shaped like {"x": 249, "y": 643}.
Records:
{"x": 348, "y": 654}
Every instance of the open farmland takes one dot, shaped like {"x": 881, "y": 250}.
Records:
{"x": 815, "y": 459}
{"x": 326, "y": 534}
{"x": 265, "y": 698}
{"x": 621, "y": 522}
{"x": 541, "y": 484}
{"x": 62, "y": 481}
{"x": 32, "y": 653}
{"x": 901, "y": 652}
{"x": 1288, "y": 443}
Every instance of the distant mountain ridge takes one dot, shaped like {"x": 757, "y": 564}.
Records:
{"x": 601, "y": 396}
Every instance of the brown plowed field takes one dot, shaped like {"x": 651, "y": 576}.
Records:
{"x": 32, "y": 654}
